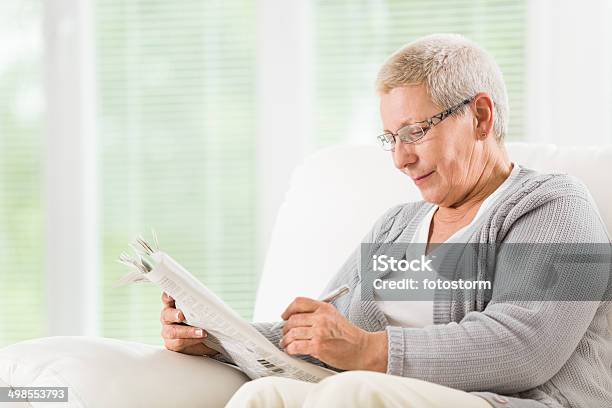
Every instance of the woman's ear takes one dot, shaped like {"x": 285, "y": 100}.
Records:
{"x": 483, "y": 114}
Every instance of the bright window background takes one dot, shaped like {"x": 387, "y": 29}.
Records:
{"x": 176, "y": 118}
{"x": 21, "y": 210}
{"x": 181, "y": 103}
{"x": 352, "y": 39}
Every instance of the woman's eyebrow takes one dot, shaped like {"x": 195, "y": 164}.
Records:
{"x": 403, "y": 123}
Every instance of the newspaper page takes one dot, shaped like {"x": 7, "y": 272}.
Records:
{"x": 228, "y": 333}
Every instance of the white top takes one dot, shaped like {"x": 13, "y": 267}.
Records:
{"x": 420, "y": 313}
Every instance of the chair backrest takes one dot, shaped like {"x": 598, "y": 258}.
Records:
{"x": 337, "y": 193}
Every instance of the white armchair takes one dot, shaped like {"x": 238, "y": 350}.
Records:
{"x": 340, "y": 190}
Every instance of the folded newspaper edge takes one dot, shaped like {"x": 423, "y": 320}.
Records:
{"x": 228, "y": 333}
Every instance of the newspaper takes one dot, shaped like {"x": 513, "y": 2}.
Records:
{"x": 228, "y": 333}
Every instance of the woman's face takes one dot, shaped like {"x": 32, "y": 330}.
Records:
{"x": 445, "y": 164}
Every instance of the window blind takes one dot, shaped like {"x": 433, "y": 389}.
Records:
{"x": 353, "y": 38}
{"x": 21, "y": 222}
{"x": 177, "y": 124}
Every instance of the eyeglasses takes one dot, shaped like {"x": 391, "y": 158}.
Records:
{"x": 416, "y": 131}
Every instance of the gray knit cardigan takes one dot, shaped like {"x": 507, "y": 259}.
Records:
{"x": 530, "y": 353}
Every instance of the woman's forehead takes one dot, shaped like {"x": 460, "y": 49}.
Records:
{"x": 405, "y": 105}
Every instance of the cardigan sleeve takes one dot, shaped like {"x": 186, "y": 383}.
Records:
{"x": 519, "y": 342}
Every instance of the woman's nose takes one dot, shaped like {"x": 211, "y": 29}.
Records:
{"x": 404, "y": 155}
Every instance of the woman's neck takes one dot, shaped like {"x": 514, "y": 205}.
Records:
{"x": 492, "y": 176}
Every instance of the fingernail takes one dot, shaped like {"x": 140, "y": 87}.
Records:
{"x": 199, "y": 332}
{"x": 179, "y": 316}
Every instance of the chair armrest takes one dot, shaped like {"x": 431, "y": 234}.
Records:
{"x": 102, "y": 372}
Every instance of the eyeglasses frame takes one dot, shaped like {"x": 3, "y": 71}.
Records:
{"x": 429, "y": 123}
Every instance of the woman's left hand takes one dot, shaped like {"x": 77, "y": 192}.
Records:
{"x": 317, "y": 329}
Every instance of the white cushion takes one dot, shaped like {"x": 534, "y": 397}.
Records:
{"x": 591, "y": 164}
{"x": 112, "y": 373}
{"x": 336, "y": 195}
{"x": 334, "y": 198}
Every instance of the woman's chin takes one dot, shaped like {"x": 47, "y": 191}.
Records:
{"x": 431, "y": 195}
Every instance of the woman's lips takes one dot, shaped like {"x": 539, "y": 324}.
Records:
{"x": 421, "y": 179}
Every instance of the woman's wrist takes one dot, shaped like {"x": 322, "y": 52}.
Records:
{"x": 376, "y": 351}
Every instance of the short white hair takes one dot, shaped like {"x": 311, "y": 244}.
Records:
{"x": 453, "y": 69}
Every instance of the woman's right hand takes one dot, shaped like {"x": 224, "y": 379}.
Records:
{"x": 179, "y": 336}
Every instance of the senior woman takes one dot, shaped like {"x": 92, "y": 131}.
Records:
{"x": 444, "y": 109}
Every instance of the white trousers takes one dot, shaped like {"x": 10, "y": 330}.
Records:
{"x": 352, "y": 389}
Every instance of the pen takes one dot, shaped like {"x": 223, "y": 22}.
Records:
{"x": 330, "y": 297}
{"x": 335, "y": 294}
